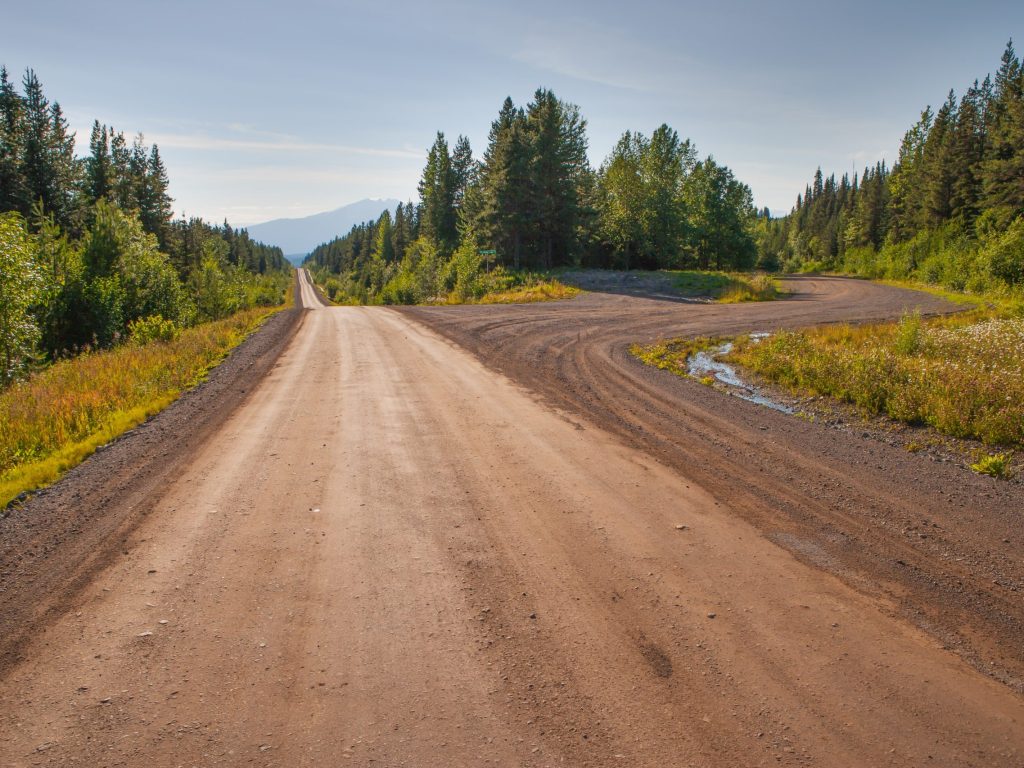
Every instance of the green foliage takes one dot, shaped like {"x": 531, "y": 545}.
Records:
{"x": 105, "y": 251}
{"x": 950, "y": 212}
{"x": 533, "y": 202}
{"x": 963, "y": 375}
{"x": 728, "y": 288}
{"x": 21, "y": 288}
{"x": 997, "y": 465}
{"x": 1005, "y": 254}
{"x": 153, "y": 328}
{"x": 908, "y": 334}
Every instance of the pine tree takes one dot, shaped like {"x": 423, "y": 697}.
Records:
{"x": 399, "y": 233}
{"x": 966, "y": 156}
{"x": 906, "y": 183}
{"x": 558, "y": 160}
{"x": 463, "y": 170}
{"x": 13, "y": 185}
{"x": 437, "y": 198}
{"x": 383, "y": 247}
{"x": 937, "y": 166}
{"x": 505, "y": 183}
{"x": 48, "y": 160}
{"x": 1003, "y": 171}
{"x": 98, "y": 169}
{"x": 155, "y": 205}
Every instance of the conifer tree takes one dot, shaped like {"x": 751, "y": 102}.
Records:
{"x": 505, "y": 184}
{"x": 937, "y": 166}
{"x": 48, "y": 159}
{"x": 98, "y": 169}
{"x": 438, "y": 218}
{"x": 558, "y": 146}
{"x": 155, "y": 205}
{"x": 1003, "y": 173}
{"x": 13, "y": 185}
{"x": 463, "y": 170}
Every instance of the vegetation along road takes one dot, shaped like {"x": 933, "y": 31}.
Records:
{"x": 477, "y": 535}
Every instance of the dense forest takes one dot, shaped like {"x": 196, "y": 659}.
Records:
{"x": 90, "y": 254}
{"x": 533, "y": 202}
{"x": 950, "y": 211}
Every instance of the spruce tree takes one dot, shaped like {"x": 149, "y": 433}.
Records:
{"x": 48, "y": 161}
{"x": 937, "y": 166}
{"x": 98, "y": 171}
{"x": 1003, "y": 171}
{"x": 437, "y": 198}
{"x": 155, "y": 205}
{"x": 13, "y": 185}
{"x": 505, "y": 184}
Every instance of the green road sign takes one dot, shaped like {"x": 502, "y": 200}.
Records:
{"x": 488, "y": 252}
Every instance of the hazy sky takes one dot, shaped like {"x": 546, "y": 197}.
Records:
{"x": 267, "y": 109}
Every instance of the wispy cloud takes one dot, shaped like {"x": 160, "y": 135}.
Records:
{"x": 604, "y": 55}
{"x": 206, "y": 142}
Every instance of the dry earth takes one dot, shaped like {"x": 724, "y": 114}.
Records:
{"x": 522, "y": 548}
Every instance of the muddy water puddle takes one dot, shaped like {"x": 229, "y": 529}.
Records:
{"x": 709, "y": 363}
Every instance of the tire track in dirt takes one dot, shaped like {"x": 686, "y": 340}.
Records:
{"x": 943, "y": 545}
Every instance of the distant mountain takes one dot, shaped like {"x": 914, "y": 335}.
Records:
{"x": 297, "y": 237}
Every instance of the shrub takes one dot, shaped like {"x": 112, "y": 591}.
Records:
{"x": 152, "y": 328}
{"x": 995, "y": 465}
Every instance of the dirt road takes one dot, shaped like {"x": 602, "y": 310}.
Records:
{"x": 391, "y": 554}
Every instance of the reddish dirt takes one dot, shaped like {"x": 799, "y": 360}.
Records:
{"x": 944, "y": 545}
{"x": 389, "y": 553}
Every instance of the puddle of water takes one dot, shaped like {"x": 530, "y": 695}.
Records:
{"x": 706, "y": 363}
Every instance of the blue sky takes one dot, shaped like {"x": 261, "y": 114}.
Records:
{"x": 264, "y": 109}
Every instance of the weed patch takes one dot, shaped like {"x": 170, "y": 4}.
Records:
{"x": 727, "y": 287}
{"x": 59, "y": 416}
{"x": 962, "y": 375}
{"x": 995, "y": 465}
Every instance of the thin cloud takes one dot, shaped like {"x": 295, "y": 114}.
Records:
{"x": 205, "y": 142}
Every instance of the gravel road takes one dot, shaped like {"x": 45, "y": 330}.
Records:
{"x": 486, "y": 536}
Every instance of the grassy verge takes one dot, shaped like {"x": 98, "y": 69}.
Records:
{"x": 58, "y": 417}
{"x": 962, "y": 375}
{"x": 538, "y": 290}
{"x": 672, "y": 354}
{"x": 499, "y": 286}
{"x": 726, "y": 287}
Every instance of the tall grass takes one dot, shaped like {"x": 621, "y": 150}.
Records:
{"x": 726, "y": 287}
{"x": 56, "y": 418}
{"x": 962, "y": 375}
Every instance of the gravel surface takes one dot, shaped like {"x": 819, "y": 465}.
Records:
{"x": 523, "y": 548}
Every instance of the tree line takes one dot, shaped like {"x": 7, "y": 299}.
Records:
{"x": 950, "y": 211}
{"x": 532, "y": 201}
{"x": 90, "y": 254}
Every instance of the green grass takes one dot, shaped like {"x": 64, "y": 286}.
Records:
{"x": 672, "y": 354}
{"x": 541, "y": 290}
{"x": 726, "y": 287}
{"x": 962, "y": 375}
{"x": 499, "y": 286}
{"x": 59, "y": 416}
{"x": 995, "y": 465}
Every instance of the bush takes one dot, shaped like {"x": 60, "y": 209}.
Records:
{"x": 152, "y": 328}
{"x": 961, "y": 375}
{"x": 1005, "y": 255}
{"x": 995, "y": 465}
